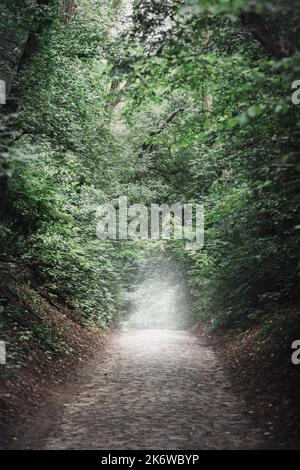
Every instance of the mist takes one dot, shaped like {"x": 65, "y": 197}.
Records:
{"x": 159, "y": 299}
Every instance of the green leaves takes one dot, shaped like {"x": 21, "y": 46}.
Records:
{"x": 233, "y": 147}
{"x": 95, "y": 107}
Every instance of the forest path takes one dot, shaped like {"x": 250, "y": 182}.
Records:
{"x": 155, "y": 389}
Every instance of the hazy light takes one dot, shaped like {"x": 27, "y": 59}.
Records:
{"x": 158, "y": 302}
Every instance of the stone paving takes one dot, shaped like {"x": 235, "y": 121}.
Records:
{"x": 156, "y": 389}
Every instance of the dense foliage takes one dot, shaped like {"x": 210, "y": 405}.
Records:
{"x": 94, "y": 99}
{"x": 66, "y": 161}
{"x": 234, "y": 146}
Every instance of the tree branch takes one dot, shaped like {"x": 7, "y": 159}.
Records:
{"x": 169, "y": 119}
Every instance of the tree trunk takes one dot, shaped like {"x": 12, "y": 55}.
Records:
{"x": 277, "y": 44}
{"x": 68, "y": 10}
{"x": 33, "y": 41}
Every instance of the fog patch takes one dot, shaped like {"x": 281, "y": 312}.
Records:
{"x": 160, "y": 298}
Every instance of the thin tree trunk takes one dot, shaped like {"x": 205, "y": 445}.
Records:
{"x": 33, "y": 40}
{"x": 68, "y": 10}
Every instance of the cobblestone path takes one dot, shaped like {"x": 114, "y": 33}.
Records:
{"x": 156, "y": 389}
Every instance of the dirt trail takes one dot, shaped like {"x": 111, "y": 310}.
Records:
{"x": 155, "y": 389}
